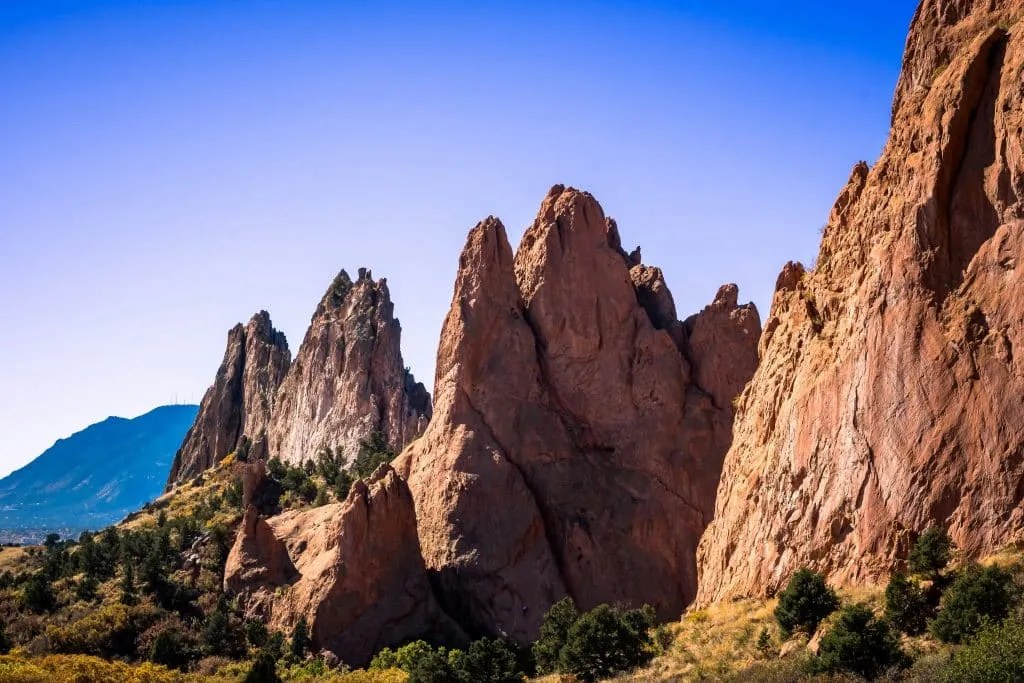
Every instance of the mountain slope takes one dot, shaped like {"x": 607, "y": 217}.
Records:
{"x": 98, "y": 475}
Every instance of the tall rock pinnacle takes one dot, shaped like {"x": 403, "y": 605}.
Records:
{"x": 348, "y": 379}
{"x": 573, "y": 449}
{"x": 887, "y": 398}
{"x": 240, "y": 401}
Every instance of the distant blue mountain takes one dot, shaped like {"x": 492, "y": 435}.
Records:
{"x": 98, "y": 475}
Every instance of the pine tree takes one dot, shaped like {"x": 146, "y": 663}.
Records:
{"x": 128, "y": 595}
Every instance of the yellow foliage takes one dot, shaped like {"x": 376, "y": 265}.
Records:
{"x": 98, "y": 632}
{"x": 77, "y": 668}
{"x": 228, "y": 459}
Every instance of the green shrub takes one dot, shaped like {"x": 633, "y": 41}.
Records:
{"x": 263, "y": 670}
{"x": 765, "y": 646}
{"x": 37, "y": 596}
{"x": 433, "y": 667}
{"x": 486, "y": 661}
{"x": 859, "y": 643}
{"x": 128, "y": 595}
{"x": 111, "y": 630}
{"x": 931, "y": 552}
{"x": 169, "y": 649}
{"x": 216, "y": 634}
{"x": 805, "y": 602}
{"x": 603, "y": 642}
{"x": 553, "y": 630}
{"x": 404, "y": 658}
{"x": 978, "y": 597}
{"x": 300, "y": 638}
{"x": 275, "y": 645}
{"x": 5, "y": 641}
{"x": 374, "y": 450}
{"x": 906, "y": 607}
{"x": 256, "y": 633}
{"x": 994, "y": 655}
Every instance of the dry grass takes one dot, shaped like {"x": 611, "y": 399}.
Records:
{"x": 713, "y": 643}
{"x": 12, "y": 559}
{"x": 720, "y": 643}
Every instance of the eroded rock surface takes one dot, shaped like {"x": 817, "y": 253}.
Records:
{"x": 239, "y": 403}
{"x": 887, "y": 397}
{"x": 348, "y": 378}
{"x": 352, "y": 569}
{"x": 572, "y": 450}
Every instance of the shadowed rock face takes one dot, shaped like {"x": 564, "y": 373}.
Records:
{"x": 348, "y": 378}
{"x": 887, "y": 397}
{"x": 240, "y": 402}
{"x": 352, "y": 569}
{"x": 572, "y": 449}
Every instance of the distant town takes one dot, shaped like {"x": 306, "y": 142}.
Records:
{"x": 34, "y": 536}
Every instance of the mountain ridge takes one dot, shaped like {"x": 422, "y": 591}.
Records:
{"x": 96, "y": 475}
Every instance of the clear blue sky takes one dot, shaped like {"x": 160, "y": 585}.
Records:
{"x": 169, "y": 168}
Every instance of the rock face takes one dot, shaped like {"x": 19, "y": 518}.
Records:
{"x": 352, "y": 569}
{"x": 348, "y": 379}
{"x": 887, "y": 397}
{"x": 240, "y": 402}
{"x": 573, "y": 449}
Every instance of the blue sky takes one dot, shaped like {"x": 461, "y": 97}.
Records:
{"x": 169, "y": 168}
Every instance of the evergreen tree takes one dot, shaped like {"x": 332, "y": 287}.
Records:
{"x": 978, "y": 597}
{"x": 128, "y": 594}
{"x": 553, "y": 631}
{"x": 300, "y": 639}
{"x": 931, "y": 552}
{"x": 263, "y": 670}
{"x": 861, "y": 644}
{"x": 906, "y": 607}
{"x": 256, "y": 633}
{"x": 805, "y": 602}
{"x": 216, "y": 633}
{"x": 37, "y": 595}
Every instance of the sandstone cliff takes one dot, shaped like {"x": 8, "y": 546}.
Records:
{"x": 353, "y": 569}
{"x": 887, "y": 397}
{"x": 348, "y": 379}
{"x": 579, "y": 426}
{"x": 240, "y": 402}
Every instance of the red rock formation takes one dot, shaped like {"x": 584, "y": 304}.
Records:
{"x": 353, "y": 569}
{"x": 348, "y": 378}
{"x": 886, "y": 398}
{"x": 571, "y": 449}
{"x": 240, "y": 401}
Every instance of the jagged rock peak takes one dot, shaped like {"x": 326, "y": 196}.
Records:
{"x": 880, "y": 403}
{"x": 352, "y": 569}
{"x": 348, "y": 379}
{"x": 564, "y": 398}
{"x": 239, "y": 403}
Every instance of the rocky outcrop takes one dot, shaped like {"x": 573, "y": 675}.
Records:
{"x": 572, "y": 449}
{"x": 887, "y": 394}
{"x": 348, "y": 379}
{"x": 352, "y": 569}
{"x": 240, "y": 402}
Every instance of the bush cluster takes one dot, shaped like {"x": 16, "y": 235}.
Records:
{"x": 597, "y": 644}
{"x": 485, "y": 661}
{"x": 805, "y": 602}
